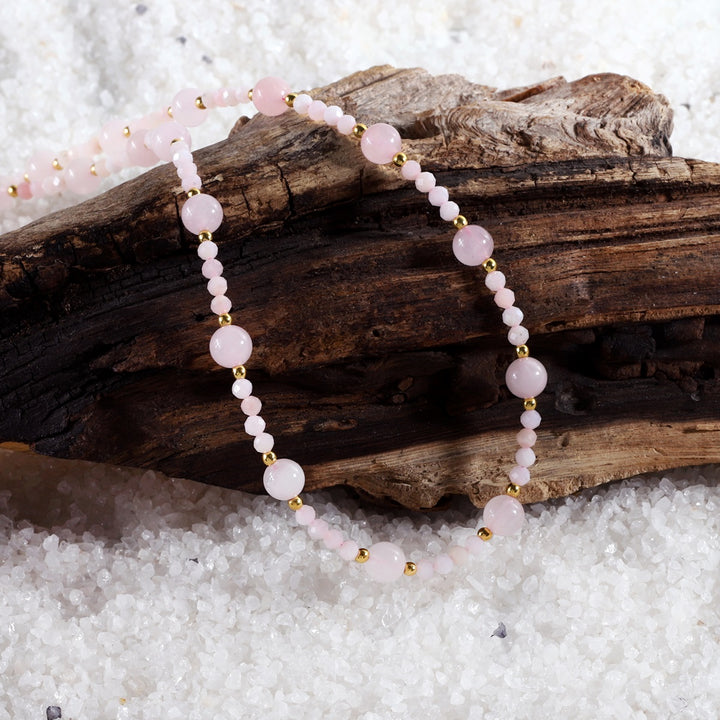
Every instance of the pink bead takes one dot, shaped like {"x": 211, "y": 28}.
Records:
{"x": 191, "y": 182}
{"x": 425, "y": 182}
{"x": 269, "y": 96}
{"x": 332, "y": 115}
{"x": 512, "y": 315}
{"x": 458, "y": 554}
{"x": 449, "y": 210}
{"x": 208, "y": 100}
{"x": 221, "y": 305}
{"x": 345, "y": 124}
{"x": 317, "y": 528}
{"x": 504, "y": 515}
{"x": 411, "y": 169}
{"x": 504, "y": 297}
{"x": 380, "y": 142}
{"x": 519, "y": 475}
{"x": 284, "y": 479}
{"x": 305, "y": 515}
{"x": 230, "y": 346}
{"x": 207, "y": 249}
{"x": 254, "y": 425}
{"x": 526, "y": 438}
{"x": 302, "y": 103}
{"x": 495, "y": 281}
{"x": 24, "y": 191}
{"x": 348, "y": 550}
{"x": 217, "y": 286}
{"x": 531, "y": 419}
{"x": 252, "y": 405}
{"x": 40, "y": 165}
{"x": 242, "y": 388}
{"x": 139, "y": 155}
{"x": 474, "y": 545}
{"x": 518, "y": 335}
{"x": 161, "y": 139}
{"x": 53, "y": 184}
{"x": 263, "y": 442}
{"x": 472, "y": 245}
{"x": 79, "y": 179}
{"x": 443, "y": 564}
{"x": 438, "y": 195}
{"x": 425, "y": 569}
{"x": 386, "y": 562}
{"x": 201, "y": 212}
{"x": 113, "y": 141}
{"x": 316, "y": 111}
{"x": 333, "y": 539}
{"x": 212, "y": 268}
{"x": 525, "y": 457}
{"x": 526, "y": 377}
{"x": 184, "y": 109}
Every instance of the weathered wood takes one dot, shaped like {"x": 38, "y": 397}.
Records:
{"x": 380, "y": 359}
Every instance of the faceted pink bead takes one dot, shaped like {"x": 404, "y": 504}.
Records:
{"x": 495, "y": 280}
{"x": 252, "y": 405}
{"x": 348, "y": 550}
{"x": 449, "y": 210}
{"x": 411, "y": 169}
{"x": 316, "y": 111}
{"x": 284, "y": 479}
{"x": 519, "y": 475}
{"x": 512, "y": 315}
{"x": 425, "y": 182}
{"x": 305, "y": 515}
{"x": 139, "y": 155}
{"x": 474, "y": 545}
{"x": 386, "y": 562}
{"x": 531, "y": 419}
{"x": 518, "y": 335}
{"x": 242, "y": 388}
{"x": 425, "y": 569}
{"x": 212, "y": 268}
{"x": 263, "y": 442}
{"x": 207, "y": 249}
{"x": 526, "y": 438}
{"x": 438, "y": 195}
{"x": 526, "y": 377}
{"x": 318, "y": 528}
{"x": 201, "y": 212}
{"x": 504, "y": 515}
{"x": 332, "y": 115}
{"x": 472, "y": 245}
{"x": 345, "y": 124}
{"x": 217, "y": 286}
{"x": 443, "y": 564}
{"x": 504, "y": 297}
{"x": 230, "y": 346}
{"x": 269, "y": 96}
{"x": 525, "y": 457}
{"x": 185, "y": 110}
{"x": 113, "y": 141}
{"x": 458, "y": 554}
{"x": 380, "y": 142}
{"x": 161, "y": 139}
{"x": 254, "y": 425}
{"x": 333, "y": 539}
{"x": 78, "y": 177}
{"x": 302, "y": 103}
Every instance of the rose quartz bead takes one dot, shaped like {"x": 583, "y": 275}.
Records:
{"x": 474, "y": 545}
{"x": 519, "y": 475}
{"x": 252, "y": 405}
{"x": 79, "y": 178}
{"x": 217, "y": 286}
{"x": 263, "y": 442}
{"x": 230, "y": 346}
{"x": 380, "y": 142}
{"x": 242, "y": 388}
{"x": 473, "y": 245}
{"x": 284, "y": 479}
{"x": 386, "y": 562}
{"x": 201, "y": 212}
{"x": 269, "y": 96}
{"x": 525, "y": 457}
{"x": 302, "y": 103}
{"x": 504, "y": 515}
{"x": 101, "y": 168}
{"x": 316, "y": 111}
{"x": 184, "y": 109}
{"x": 449, "y": 210}
{"x": 305, "y": 515}
{"x": 254, "y": 425}
{"x": 24, "y": 191}
{"x": 526, "y": 438}
{"x": 512, "y": 315}
{"x": 40, "y": 166}
{"x": 212, "y": 268}
{"x": 208, "y": 99}
{"x": 332, "y": 115}
{"x": 495, "y": 280}
{"x": 530, "y": 419}
{"x": 504, "y": 297}
{"x": 411, "y": 169}
{"x": 425, "y": 182}
{"x": 113, "y": 141}
{"x": 526, "y": 377}
{"x": 139, "y": 154}
{"x": 348, "y": 550}
{"x": 333, "y": 539}
{"x": 207, "y": 249}
{"x": 438, "y": 195}
{"x": 189, "y": 183}
{"x": 443, "y": 564}
{"x": 345, "y": 124}
{"x": 221, "y": 305}
{"x": 518, "y": 335}
{"x": 317, "y": 528}
{"x": 53, "y": 184}
{"x": 458, "y": 554}
{"x": 425, "y": 569}
{"x": 162, "y": 139}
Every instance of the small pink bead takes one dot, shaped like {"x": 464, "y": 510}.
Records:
{"x": 269, "y": 96}
{"x": 474, "y": 545}
{"x": 531, "y": 419}
{"x": 217, "y": 286}
{"x": 386, "y": 562}
{"x": 113, "y": 141}
{"x": 254, "y": 425}
{"x": 243, "y": 94}
{"x": 332, "y": 115}
{"x": 284, "y": 479}
{"x": 139, "y": 155}
{"x": 305, "y": 515}
{"x": 220, "y": 97}
{"x": 519, "y": 475}
{"x": 526, "y": 438}
{"x": 161, "y": 139}
{"x": 79, "y": 179}
{"x": 53, "y": 184}
{"x": 495, "y": 280}
{"x": 380, "y": 142}
{"x": 472, "y": 245}
{"x": 504, "y": 515}
{"x": 208, "y": 100}
{"x": 449, "y": 210}
{"x": 264, "y": 442}
{"x": 201, "y": 212}
{"x": 317, "y": 528}
{"x": 40, "y": 166}
{"x": 101, "y": 168}
{"x": 425, "y": 182}
{"x": 345, "y": 124}
{"x": 230, "y": 346}
{"x": 189, "y": 183}
{"x": 438, "y": 195}
{"x": 302, "y": 103}
{"x": 443, "y": 564}
{"x": 459, "y": 554}
{"x": 333, "y": 539}
{"x": 512, "y": 315}
{"x": 504, "y": 297}
{"x": 252, "y": 405}
{"x": 24, "y": 191}
{"x": 207, "y": 249}
{"x": 425, "y": 569}
{"x": 221, "y": 305}
{"x": 184, "y": 109}
{"x": 526, "y": 377}
{"x": 212, "y": 268}
{"x": 518, "y": 335}
{"x": 242, "y": 388}
{"x": 525, "y": 457}
{"x": 316, "y": 111}
{"x": 36, "y": 189}
{"x": 348, "y": 550}
{"x": 411, "y": 169}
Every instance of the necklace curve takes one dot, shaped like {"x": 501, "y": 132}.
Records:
{"x": 165, "y": 136}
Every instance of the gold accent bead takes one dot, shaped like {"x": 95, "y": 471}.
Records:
{"x": 239, "y": 372}
{"x": 93, "y": 170}
{"x": 126, "y": 131}
{"x": 363, "y": 555}
{"x": 205, "y": 236}
{"x": 199, "y": 104}
{"x": 460, "y": 222}
{"x": 529, "y": 403}
{"x": 250, "y": 94}
{"x": 513, "y": 490}
{"x": 26, "y": 177}
{"x": 490, "y": 265}
{"x": 12, "y": 190}
{"x": 295, "y": 503}
{"x": 169, "y": 111}
{"x": 290, "y": 99}
{"x": 192, "y": 192}
{"x": 359, "y": 129}
{"x": 56, "y": 164}
{"x": 410, "y": 568}
{"x": 225, "y": 319}
{"x": 522, "y": 351}
{"x": 484, "y": 533}
{"x": 269, "y": 458}
{"x": 400, "y": 159}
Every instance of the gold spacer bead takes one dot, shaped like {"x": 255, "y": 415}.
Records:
{"x": 199, "y": 104}
{"x": 363, "y": 555}
{"x": 295, "y": 503}
{"x": 205, "y": 236}
{"x": 93, "y": 170}
{"x": 410, "y": 568}
{"x": 169, "y": 111}
{"x": 400, "y": 159}
{"x": 529, "y": 403}
{"x": 522, "y": 351}
{"x": 484, "y": 533}
{"x": 225, "y": 319}
{"x": 490, "y": 265}
{"x": 460, "y": 222}
{"x": 513, "y": 490}
{"x": 239, "y": 372}
{"x": 359, "y": 129}
{"x": 12, "y": 190}
{"x": 269, "y": 458}
{"x": 250, "y": 94}
{"x": 26, "y": 178}
{"x": 290, "y": 99}
{"x": 126, "y": 131}
{"x": 192, "y": 192}
{"x": 56, "y": 164}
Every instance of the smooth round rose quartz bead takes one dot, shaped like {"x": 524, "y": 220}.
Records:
{"x": 333, "y": 539}
{"x": 194, "y": 181}
{"x": 184, "y": 109}
{"x": 317, "y": 528}
{"x": 201, "y": 212}
{"x": 526, "y": 438}
{"x": 530, "y": 419}
{"x": 254, "y": 425}
{"x": 221, "y": 305}
{"x": 263, "y": 442}
{"x": 504, "y": 515}
{"x": 207, "y": 249}
{"x": 525, "y": 457}
{"x": 113, "y": 140}
{"x": 458, "y": 554}
{"x": 438, "y": 195}
{"x": 348, "y": 550}
{"x": 526, "y": 377}
{"x": 425, "y": 182}
{"x": 504, "y": 297}
{"x": 345, "y": 124}
{"x": 449, "y": 210}
{"x": 473, "y": 245}
{"x": 518, "y": 335}
{"x": 474, "y": 545}
{"x": 79, "y": 178}
{"x": 242, "y": 388}
{"x": 332, "y": 115}
{"x": 443, "y": 564}
{"x": 53, "y": 184}
{"x": 302, "y": 103}
{"x": 40, "y": 166}
{"x": 316, "y": 111}
{"x": 217, "y": 286}
{"x": 230, "y": 346}
{"x": 305, "y": 515}
{"x": 512, "y": 315}
{"x": 24, "y": 190}
{"x": 386, "y": 562}
{"x": 495, "y": 280}
{"x": 284, "y": 479}
{"x": 212, "y": 268}
{"x": 162, "y": 138}
{"x": 380, "y": 143}
{"x": 139, "y": 154}
{"x": 411, "y": 169}
{"x": 208, "y": 99}
{"x": 425, "y": 569}
{"x": 519, "y": 475}
{"x": 252, "y": 405}
{"x": 268, "y": 96}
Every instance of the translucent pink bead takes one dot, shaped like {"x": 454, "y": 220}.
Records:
{"x": 531, "y": 419}
{"x": 78, "y": 177}
{"x": 345, "y": 124}
{"x": 230, "y": 346}
{"x": 386, "y": 562}
{"x": 443, "y": 564}
{"x": 269, "y": 96}
{"x": 252, "y": 405}
{"x": 512, "y": 315}
{"x": 348, "y": 550}
{"x": 504, "y": 515}
{"x": 495, "y": 280}
{"x": 139, "y": 155}
{"x": 160, "y": 139}
{"x": 254, "y": 425}
{"x": 519, "y": 475}
{"x": 525, "y": 457}
{"x": 472, "y": 245}
{"x": 305, "y": 515}
{"x": 221, "y": 305}
{"x": 242, "y": 388}
{"x": 191, "y": 182}
{"x": 332, "y": 115}
{"x": 518, "y": 335}
{"x": 449, "y": 210}
{"x": 425, "y": 181}
{"x": 504, "y": 297}
{"x": 217, "y": 286}
{"x": 284, "y": 479}
{"x": 318, "y": 528}
{"x": 302, "y": 103}
{"x": 425, "y": 569}
{"x": 263, "y": 442}
{"x": 526, "y": 438}
{"x": 526, "y": 377}
{"x": 411, "y": 169}
{"x": 207, "y": 249}
{"x": 458, "y": 554}
{"x": 438, "y": 195}
{"x": 212, "y": 268}
{"x": 474, "y": 545}
{"x": 24, "y": 191}
{"x": 113, "y": 141}
{"x": 184, "y": 109}
{"x": 380, "y": 142}
{"x": 201, "y": 212}
{"x": 316, "y": 111}
{"x": 333, "y": 539}
{"x": 40, "y": 165}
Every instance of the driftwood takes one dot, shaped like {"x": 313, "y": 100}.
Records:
{"x": 379, "y": 358}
